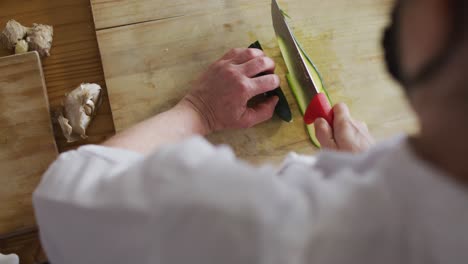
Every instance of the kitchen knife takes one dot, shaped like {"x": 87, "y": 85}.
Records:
{"x": 319, "y": 106}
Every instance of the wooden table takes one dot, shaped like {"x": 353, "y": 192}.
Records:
{"x": 75, "y": 59}
{"x": 74, "y": 56}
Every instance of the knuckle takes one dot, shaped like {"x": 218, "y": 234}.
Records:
{"x": 222, "y": 64}
{"x": 348, "y": 126}
{"x": 273, "y": 63}
{"x": 244, "y": 84}
{"x": 218, "y": 64}
{"x": 230, "y": 71}
{"x": 275, "y": 80}
{"x": 320, "y": 125}
{"x": 252, "y": 53}
{"x": 234, "y": 51}
{"x": 340, "y": 105}
{"x": 340, "y": 108}
{"x": 270, "y": 81}
{"x": 340, "y": 111}
{"x": 263, "y": 62}
{"x": 269, "y": 62}
{"x": 342, "y": 124}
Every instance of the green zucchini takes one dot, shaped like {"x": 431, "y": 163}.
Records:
{"x": 293, "y": 82}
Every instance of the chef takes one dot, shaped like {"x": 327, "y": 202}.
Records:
{"x": 160, "y": 193}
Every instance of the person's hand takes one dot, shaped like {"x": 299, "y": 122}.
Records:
{"x": 221, "y": 94}
{"x": 347, "y": 134}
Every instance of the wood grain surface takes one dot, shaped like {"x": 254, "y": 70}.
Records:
{"x": 24, "y": 244}
{"x": 27, "y": 144}
{"x": 114, "y": 13}
{"x": 74, "y": 56}
{"x": 149, "y": 65}
{"x": 74, "y": 59}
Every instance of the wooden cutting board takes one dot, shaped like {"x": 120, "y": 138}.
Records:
{"x": 150, "y": 63}
{"x": 27, "y": 144}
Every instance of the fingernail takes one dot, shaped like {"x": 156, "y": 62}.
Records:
{"x": 341, "y": 108}
{"x": 278, "y": 80}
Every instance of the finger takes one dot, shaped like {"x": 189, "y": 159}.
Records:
{"x": 232, "y": 53}
{"x": 324, "y": 134}
{"x": 257, "y": 65}
{"x": 246, "y": 55}
{"x": 263, "y": 84}
{"x": 259, "y": 113}
{"x": 362, "y": 126}
{"x": 341, "y": 114}
{"x": 363, "y": 131}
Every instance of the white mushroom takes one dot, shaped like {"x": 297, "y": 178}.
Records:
{"x": 79, "y": 109}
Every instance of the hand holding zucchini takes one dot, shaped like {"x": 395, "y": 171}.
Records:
{"x": 282, "y": 108}
{"x": 303, "y": 77}
{"x": 300, "y": 95}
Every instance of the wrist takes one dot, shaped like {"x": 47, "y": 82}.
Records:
{"x": 199, "y": 121}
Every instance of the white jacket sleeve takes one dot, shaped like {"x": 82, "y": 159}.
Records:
{"x": 189, "y": 203}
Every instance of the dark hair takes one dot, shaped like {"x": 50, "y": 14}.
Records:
{"x": 459, "y": 31}
{"x": 460, "y": 17}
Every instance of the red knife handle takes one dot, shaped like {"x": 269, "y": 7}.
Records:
{"x": 319, "y": 107}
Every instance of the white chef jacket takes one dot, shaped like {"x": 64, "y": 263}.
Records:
{"x": 195, "y": 203}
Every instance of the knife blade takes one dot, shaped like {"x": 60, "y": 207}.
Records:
{"x": 282, "y": 109}
{"x": 319, "y": 105}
